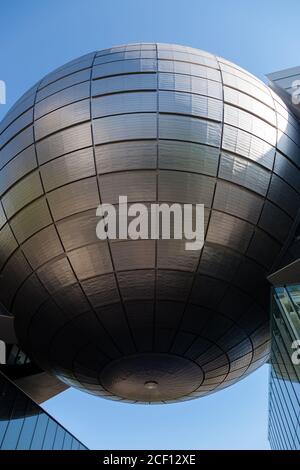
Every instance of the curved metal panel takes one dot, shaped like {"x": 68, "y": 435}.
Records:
{"x": 158, "y": 123}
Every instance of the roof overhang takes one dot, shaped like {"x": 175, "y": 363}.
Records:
{"x": 290, "y": 274}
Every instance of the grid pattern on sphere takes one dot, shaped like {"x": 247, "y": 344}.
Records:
{"x": 159, "y": 123}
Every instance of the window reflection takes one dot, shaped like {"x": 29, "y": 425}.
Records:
{"x": 284, "y": 408}
{"x": 24, "y": 425}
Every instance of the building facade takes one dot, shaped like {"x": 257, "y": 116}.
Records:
{"x": 287, "y": 84}
{"x": 284, "y": 392}
{"x": 26, "y": 426}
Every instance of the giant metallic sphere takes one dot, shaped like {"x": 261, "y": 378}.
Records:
{"x": 145, "y": 320}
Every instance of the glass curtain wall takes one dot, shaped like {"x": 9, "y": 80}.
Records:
{"x": 284, "y": 403}
{"x": 26, "y": 426}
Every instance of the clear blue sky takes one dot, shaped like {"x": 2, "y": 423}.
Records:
{"x": 261, "y": 36}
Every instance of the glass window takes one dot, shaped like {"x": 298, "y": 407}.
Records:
{"x": 75, "y": 444}
{"x": 67, "y": 442}
{"x": 285, "y": 378}
{"x": 24, "y": 425}
{"x": 294, "y": 292}
{"x": 28, "y": 427}
{"x": 50, "y": 435}
{"x": 59, "y": 438}
{"x": 39, "y": 432}
{"x": 15, "y": 424}
{"x": 7, "y": 399}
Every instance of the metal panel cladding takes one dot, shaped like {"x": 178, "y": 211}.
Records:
{"x": 145, "y": 320}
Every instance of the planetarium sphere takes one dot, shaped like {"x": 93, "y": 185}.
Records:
{"x": 145, "y": 320}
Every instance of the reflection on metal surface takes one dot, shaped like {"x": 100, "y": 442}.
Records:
{"x": 158, "y": 123}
